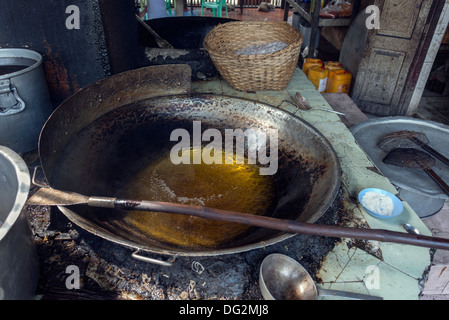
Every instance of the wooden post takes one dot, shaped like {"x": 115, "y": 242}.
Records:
{"x": 314, "y": 28}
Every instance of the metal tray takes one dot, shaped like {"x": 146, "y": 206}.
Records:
{"x": 368, "y": 133}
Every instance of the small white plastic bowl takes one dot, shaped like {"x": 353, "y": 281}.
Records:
{"x": 397, "y": 209}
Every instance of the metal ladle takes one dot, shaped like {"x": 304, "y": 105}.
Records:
{"x": 283, "y": 278}
{"x": 301, "y": 104}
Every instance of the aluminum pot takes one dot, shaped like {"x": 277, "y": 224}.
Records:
{"x": 94, "y": 142}
{"x": 24, "y": 99}
{"x": 19, "y": 263}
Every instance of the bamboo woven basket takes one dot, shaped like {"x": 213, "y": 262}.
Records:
{"x": 254, "y": 72}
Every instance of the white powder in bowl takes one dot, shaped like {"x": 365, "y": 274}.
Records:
{"x": 378, "y": 203}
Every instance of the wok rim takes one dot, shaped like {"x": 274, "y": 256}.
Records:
{"x": 185, "y": 252}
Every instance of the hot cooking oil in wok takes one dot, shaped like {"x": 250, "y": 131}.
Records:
{"x": 235, "y": 187}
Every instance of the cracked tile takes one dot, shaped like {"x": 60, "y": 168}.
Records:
{"x": 299, "y": 82}
{"x": 335, "y": 262}
{"x": 273, "y": 98}
{"x": 290, "y": 108}
{"x": 357, "y": 178}
{"x": 352, "y": 269}
{"x": 228, "y": 90}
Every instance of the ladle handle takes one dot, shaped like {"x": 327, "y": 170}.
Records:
{"x": 437, "y": 180}
{"x": 430, "y": 150}
{"x": 350, "y": 295}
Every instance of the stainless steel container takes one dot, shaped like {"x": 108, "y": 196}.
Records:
{"x": 19, "y": 265}
{"x": 24, "y": 100}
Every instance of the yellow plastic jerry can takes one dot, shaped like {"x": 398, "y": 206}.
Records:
{"x": 319, "y": 76}
{"x": 339, "y": 81}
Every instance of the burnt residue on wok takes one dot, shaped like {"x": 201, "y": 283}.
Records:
{"x": 108, "y": 154}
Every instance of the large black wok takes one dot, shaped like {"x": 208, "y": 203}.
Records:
{"x": 96, "y": 141}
